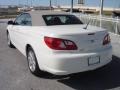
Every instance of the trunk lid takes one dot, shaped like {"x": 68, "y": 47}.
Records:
{"x": 89, "y": 39}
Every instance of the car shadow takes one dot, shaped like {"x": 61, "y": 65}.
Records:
{"x": 101, "y": 79}
{"x": 46, "y": 75}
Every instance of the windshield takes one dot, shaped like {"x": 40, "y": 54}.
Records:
{"x": 61, "y": 20}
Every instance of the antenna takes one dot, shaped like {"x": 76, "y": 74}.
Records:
{"x": 87, "y": 25}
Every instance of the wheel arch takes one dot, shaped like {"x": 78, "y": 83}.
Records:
{"x": 27, "y": 47}
{"x": 7, "y": 32}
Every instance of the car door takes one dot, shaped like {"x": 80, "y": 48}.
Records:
{"x": 20, "y": 30}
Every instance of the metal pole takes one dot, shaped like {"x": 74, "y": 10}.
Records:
{"x": 71, "y": 6}
{"x": 102, "y": 3}
{"x": 56, "y": 4}
{"x": 31, "y": 3}
{"x": 50, "y": 4}
{"x": 116, "y": 26}
{"x": 27, "y": 3}
{"x": 19, "y": 3}
{"x": 101, "y": 11}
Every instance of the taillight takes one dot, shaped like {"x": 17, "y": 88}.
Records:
{"x": 60, "y": 44}
{"x": 106, "y": 40}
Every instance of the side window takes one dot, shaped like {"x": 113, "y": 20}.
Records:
{"x": 24, "y": 20}
{"x": 19, "y": 20}
{"x": 28, "y": 20}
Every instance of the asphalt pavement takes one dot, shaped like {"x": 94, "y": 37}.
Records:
{"x": 14, "y": 73}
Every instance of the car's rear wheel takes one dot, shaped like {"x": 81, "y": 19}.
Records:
{"x": 9, "y": 41}
{"x": 32, "y": 62}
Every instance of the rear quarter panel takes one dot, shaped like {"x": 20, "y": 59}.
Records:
{"x": 34, "y": 36}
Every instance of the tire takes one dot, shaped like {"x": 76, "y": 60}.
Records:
{"x": 9, "y": 41}
{"x": 32, "y": 62}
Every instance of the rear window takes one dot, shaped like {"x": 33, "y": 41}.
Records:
{"x": 61, "y": 20}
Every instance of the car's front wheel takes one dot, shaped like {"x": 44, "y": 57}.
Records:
{"x": 32, "y": 62}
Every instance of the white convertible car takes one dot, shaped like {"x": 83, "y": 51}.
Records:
{"x": 59, "y": 43}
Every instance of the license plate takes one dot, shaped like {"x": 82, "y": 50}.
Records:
{"x": 93, "y": 60}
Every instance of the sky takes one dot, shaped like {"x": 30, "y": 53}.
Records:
{"x": 107, "y": 3}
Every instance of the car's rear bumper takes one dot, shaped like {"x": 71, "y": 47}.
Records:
{"x": 63, "y": 64}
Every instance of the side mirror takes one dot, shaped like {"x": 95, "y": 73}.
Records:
{"x": 10, "y": 22}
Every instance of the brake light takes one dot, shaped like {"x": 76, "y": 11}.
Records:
{"x": 106, "y": 40}
{"x": 59, "y": 44}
